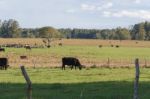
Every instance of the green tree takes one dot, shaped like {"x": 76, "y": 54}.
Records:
{"x": 48, "y": 34}
{"x": 141, "y": 32}
{"x": 0, "y": 26}
{"x": 122, "y": 34}
{"x": 147, "y": 30}
{"x": 138, "y": 32}
{"x": 10, "y": 29}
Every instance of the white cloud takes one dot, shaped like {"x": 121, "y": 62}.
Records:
{"x": 138, "y": 1}
{"x": 95, "y": 7}
{"x": 105, "y": 6}
{"x": 108, "y": 5}
{"x": 107, "y": 13}
{"x": 142, "y": 14}
{"x": 70, "y": 11}
{"x": 88, "y": 7}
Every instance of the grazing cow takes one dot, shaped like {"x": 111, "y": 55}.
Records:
{"x": 117, "y": 46}
{"x": 27, "y": 47}
{"x": 60, "y": 44}
{"x": 23, "y": 57}
{"x": 2, "y": 50}
{"x": 3, "y": 63}
{"x": 71, "y": 61}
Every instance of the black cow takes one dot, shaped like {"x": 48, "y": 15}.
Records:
{"x": 28, "y": 47}
{"x": 2, "y": 50}
{"x": 3, "y": 63}
{"x": 71, "y": 61}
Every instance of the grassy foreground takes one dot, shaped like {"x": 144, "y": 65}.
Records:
{"x": 91, "y": 83}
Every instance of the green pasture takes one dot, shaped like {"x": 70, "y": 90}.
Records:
{"x": 93, "y": 52}
{"x": 89, "y": 83}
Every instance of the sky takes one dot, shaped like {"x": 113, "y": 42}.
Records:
{"x": 98, "y": 14}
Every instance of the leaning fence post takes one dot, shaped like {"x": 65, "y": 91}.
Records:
{"x": 136, "y": 82}
{"x": 29, "y": 83}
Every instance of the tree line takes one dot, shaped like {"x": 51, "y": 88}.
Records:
{"x": 11, "y": 29}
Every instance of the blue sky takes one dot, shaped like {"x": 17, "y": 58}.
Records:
{"x": 75, "y": 13}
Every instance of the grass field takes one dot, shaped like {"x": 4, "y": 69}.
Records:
{"x": 87, "y": 51}
{"x": 92, "y": 83}
{"x": 89, "y": 83}
{"x": 88, "y": 55}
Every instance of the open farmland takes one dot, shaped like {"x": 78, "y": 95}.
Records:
{"x": 87, "y": 51}
{"x": 89, "y": 83}
{"x": 88, "y": 55}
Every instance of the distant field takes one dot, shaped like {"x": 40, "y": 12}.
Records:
{"x": 97, "y": 83}
{"x": 78, "y": 42}
{"x": 87, "y": 51}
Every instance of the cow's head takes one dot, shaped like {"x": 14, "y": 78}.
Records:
{"x": 80, "y": 67}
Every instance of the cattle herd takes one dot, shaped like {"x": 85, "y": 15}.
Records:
{"x": 21, "y": 46}
{"x": 69, "y": 61}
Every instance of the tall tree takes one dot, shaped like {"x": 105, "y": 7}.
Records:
{"x": 142, "y": 32}
{"x": 138, "y": 32}
{"x": 147, "y": 30}
{"x": 48, "y": 34}
{"x": 122, "y": 34}
{"x": 0, "y": 26}
{"x": 10, "y": 29}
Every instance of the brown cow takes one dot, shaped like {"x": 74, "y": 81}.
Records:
{"x": 23, "y": 57}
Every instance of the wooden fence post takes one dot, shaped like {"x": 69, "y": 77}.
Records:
{"x": 29, "y": 83}
{"x": 33, "y": 61}
{"x": 136, "y": 82}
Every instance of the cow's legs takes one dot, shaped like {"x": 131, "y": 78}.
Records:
{"x": 75, "y": 67}
{"x": 5, "y": 67}
{"x": 2, "y": 67}
{"x": 63, "y": 67}
{"x": 71, "y": 67}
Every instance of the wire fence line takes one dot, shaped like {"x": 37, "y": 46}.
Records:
{"x": 108, "y": 62}
{"x": 10, "y": 88}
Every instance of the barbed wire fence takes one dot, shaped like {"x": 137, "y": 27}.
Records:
{"x": 10, "y": 88}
